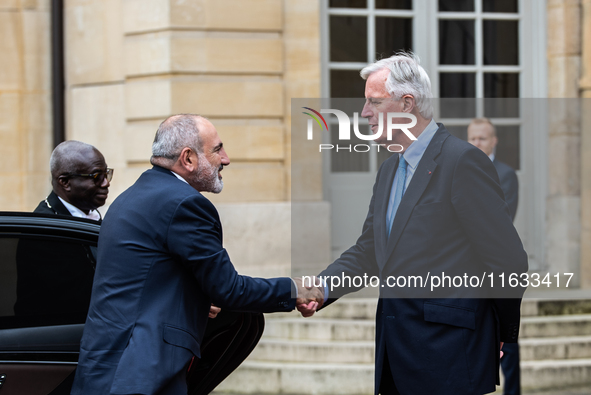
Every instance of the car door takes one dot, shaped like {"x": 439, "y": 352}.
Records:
{"x": 46, "y": 269}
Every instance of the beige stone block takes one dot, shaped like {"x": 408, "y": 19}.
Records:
{"x": 217, "y": 52}
{"x": 11, "y": 37}
{"x": 560, "y": 3}
{"x": 148, "y": 54}
{"x": 227, "y": 14}
{"x": 96, "y": 116}
{"x": 246, "y": 139}
{"x": 257, "y": 236}
{"x": 29, "y": 4}
{"x": 199, "y": 52}
{"x": 301, "y": 19}
{"x": 36, "y": 187}
{"x": 251, "y": 182}
{"x": 228, "y": 97}
{"x": 564, "y": 117}
{"x": 563, "y": 76}
{"x": 564, "y": 166}
{"x": 11, "y": 132}
{"x": 138, "y": 139}
{"x": 39, "y": 5}
{"x": 149, "y": 15}
{"x": 37, "y": 133}
{"x": 311, "y": 235}
{"x": 586, "y": 194}
{"x": 564, "y": 23}
{"x": 145, "y": 15}
{"x": 36, "y": 50}
{"x": 94, "y": 41}
{"x": 306, "y": 160}
{"x": 9, "y": 4}
{"x": 13, "y": 183}
{"x": 563, "y": 235}
{"x": 148, "y": 98}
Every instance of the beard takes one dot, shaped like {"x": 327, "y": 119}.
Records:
{"x": 207, "y": 177}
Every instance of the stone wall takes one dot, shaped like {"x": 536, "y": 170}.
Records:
{"x": 563, "y": 203}
{"x": 25, "y": 103}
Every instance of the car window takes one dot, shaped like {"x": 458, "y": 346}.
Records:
{"x": 44, "y": 280}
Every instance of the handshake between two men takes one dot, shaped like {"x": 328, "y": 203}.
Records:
{"x": 310, "y": 296}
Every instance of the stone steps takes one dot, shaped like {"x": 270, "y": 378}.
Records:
{"x": 573, "y": 347}
{"x": 555, "y": 373}
{"x": 256, "y": 377}
{"x": 552, "y": 326}
{"x": 320, "y": 329}
{"x": 302, "y": 351}
{"x": 326, "y": 329}
{"x": 555, "y": 343}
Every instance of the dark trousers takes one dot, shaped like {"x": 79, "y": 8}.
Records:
{"x": 510, "y": 367}
{"x": 387, "y": 386}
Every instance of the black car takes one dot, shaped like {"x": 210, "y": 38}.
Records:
{"x": 46, "y": 268}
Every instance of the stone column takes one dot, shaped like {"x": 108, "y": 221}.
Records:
{"x": 585, "y": 85}
{"x": 25, "y": 103}
{"x": 564, "y": 178}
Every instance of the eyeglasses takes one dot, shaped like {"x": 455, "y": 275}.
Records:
{"x": 98, "y": 176}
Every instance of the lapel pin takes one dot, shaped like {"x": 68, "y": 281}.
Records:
{"x": 429, "y": 172}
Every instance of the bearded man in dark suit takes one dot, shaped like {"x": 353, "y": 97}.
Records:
{"x": 437, "y": 207}
{"x": 161, "y": 264}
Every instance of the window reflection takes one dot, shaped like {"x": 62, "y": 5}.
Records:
{"x": 348, "y": 39}
{"x": 456, "y": 41}
{"x": 500, "y": 42}
{"x": 392, "y": 35}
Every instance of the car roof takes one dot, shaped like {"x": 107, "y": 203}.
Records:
{"x": 14, "y": 223}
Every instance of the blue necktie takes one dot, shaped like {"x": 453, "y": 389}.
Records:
{"x": 396, "y": 193}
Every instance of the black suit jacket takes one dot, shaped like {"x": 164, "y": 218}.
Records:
{"x": 509, "y": 185}
{"x": 452, "y": 218}
{"x": 52, "y": 205}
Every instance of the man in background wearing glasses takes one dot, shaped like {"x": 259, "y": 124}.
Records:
{"x": 80, "y": 179}
{"x": 56, "y": 277}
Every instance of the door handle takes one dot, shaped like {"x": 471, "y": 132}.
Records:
{"x": 2, "y": 378}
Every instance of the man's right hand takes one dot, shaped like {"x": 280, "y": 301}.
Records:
{"x": 309, "y": 299}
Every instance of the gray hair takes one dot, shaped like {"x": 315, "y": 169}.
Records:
{"x": 175, "y": 133}
{"x": 406, "y": 77}
{"x": 65, "y": 158}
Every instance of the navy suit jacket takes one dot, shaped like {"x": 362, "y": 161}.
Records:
{"x": 452, "y": 217}
{"x": 509, "y": 185}
{"x": 161, "y": 264}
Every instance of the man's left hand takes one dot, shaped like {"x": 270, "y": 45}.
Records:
{"x": 214, "y": 311}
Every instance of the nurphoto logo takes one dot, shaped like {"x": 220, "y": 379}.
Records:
{"x": 345, "y": 129}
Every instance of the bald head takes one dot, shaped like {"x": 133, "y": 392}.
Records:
{"x": 71, "y": 164}
{"x": 68, "y": 156}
